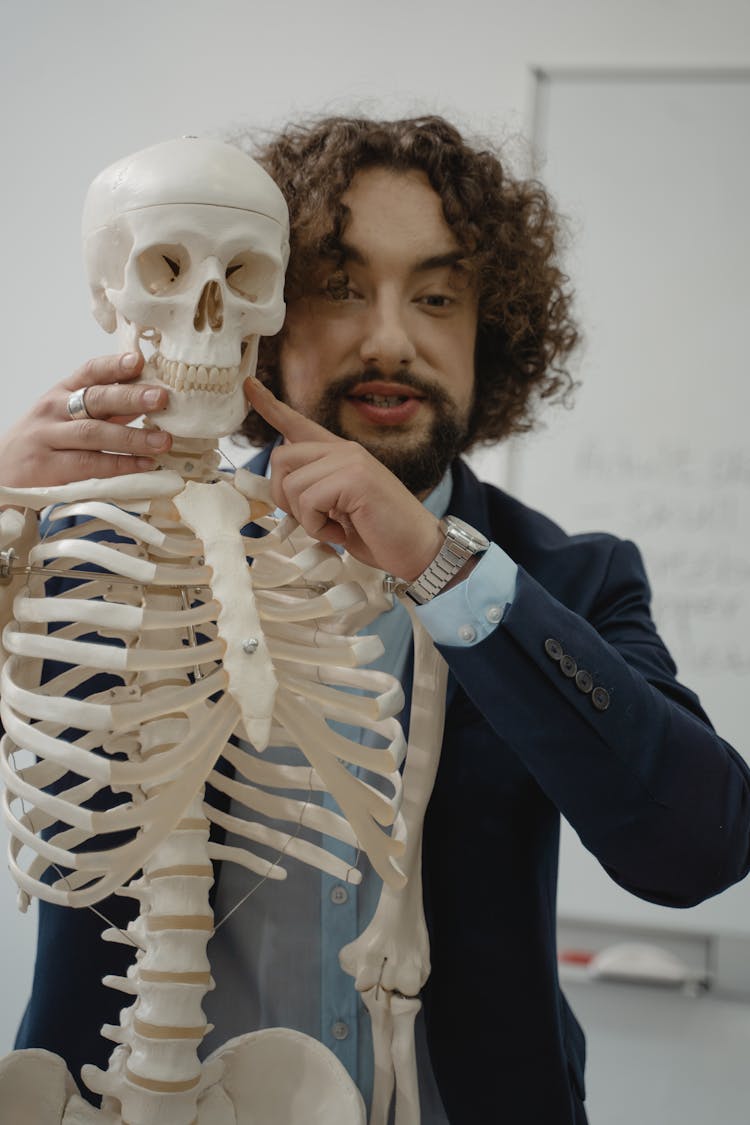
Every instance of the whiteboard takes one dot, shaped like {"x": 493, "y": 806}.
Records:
{"x": 653, "y": 174}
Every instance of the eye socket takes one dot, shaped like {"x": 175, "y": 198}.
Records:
{"x": 252, "y": 276}
{"x": 160, "y": 267}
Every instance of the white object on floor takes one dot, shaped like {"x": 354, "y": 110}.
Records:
{"x": 641, "y": 961}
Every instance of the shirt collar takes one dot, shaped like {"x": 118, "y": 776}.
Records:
{"x": 438, "y": 500}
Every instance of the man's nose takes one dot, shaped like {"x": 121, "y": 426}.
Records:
{"x": 387, "y": 343}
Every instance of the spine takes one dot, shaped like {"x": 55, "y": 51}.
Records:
{"x": 154, "y": 1074}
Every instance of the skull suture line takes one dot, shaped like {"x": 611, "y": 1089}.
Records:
{"x": 200, "y": 281}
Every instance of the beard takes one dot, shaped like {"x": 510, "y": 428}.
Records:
{"x": 419, "y": 462}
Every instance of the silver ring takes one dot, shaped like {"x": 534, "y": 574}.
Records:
{"x": 76, "y": 405}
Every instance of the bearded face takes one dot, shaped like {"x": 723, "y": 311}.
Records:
{"x": 418, "y": 456}
{"x": 380, "y": 348}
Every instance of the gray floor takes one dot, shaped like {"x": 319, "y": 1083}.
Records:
{"x": 659, "y": 1057}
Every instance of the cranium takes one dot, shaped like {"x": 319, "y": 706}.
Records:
{"x": 185, "y": 245}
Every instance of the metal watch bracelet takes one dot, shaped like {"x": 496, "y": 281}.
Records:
{"x": 462, "y": 542}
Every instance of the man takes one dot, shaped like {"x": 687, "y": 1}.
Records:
{"x": 426, "y": 312}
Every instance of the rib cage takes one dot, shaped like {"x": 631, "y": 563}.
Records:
{"x": 138, "y": 706}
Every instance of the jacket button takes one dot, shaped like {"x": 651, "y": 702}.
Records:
{"x": 600, "y": 698}
{"x": 553, "y": 648}
{"x": 584, "y": 680}
{"x": 568, "y": 666}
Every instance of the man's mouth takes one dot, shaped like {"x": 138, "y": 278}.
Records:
{"x": 384, "y": 400}
{"x": 390, "y": 404}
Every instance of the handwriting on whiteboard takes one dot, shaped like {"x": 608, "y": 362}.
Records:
{"x": 689, "y": 511}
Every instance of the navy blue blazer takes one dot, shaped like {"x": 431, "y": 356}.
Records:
{"x": 636, "y": 768}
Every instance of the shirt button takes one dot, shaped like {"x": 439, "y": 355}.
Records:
{"x": 339, "y": 894}
{"x": 467, "y": 633}
{"x": 493, "y": 614}
{"x": 340, "y": 1030}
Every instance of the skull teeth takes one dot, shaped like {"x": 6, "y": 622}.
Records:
{"x": 196, "y": 377}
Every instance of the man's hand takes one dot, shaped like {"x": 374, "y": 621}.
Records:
{"x": 47, "y": 447}
{"x": 341, "y": 494}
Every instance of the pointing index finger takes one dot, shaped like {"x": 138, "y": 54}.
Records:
{"x": 289, "y": 422}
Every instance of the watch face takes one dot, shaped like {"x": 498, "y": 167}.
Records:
{"x": 461, "y": 542}
{"x": 473, "y": 539}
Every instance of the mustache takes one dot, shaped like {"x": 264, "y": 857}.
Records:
{"x": 342, "y": 388}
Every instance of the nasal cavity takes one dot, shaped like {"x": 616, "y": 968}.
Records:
{"x": 209, "y": 312}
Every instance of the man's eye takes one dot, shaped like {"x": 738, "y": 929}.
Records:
{"x": 337, "y": 288}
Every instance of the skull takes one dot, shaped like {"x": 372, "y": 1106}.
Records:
{"x": 185, "y": 246}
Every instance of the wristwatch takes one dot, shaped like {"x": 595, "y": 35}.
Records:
{"x": 462, "y": 542}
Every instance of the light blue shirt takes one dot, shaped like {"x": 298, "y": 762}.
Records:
{"x": 275, "y": 960}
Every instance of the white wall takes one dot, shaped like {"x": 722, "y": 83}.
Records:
{"x": 86, "y": 81}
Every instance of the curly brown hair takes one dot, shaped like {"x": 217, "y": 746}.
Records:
{"x": 507, "y": 230}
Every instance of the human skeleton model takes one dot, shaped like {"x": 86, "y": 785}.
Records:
{"x": 186, "y": 245}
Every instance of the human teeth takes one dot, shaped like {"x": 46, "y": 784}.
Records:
{"x": 384, "y": 400}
